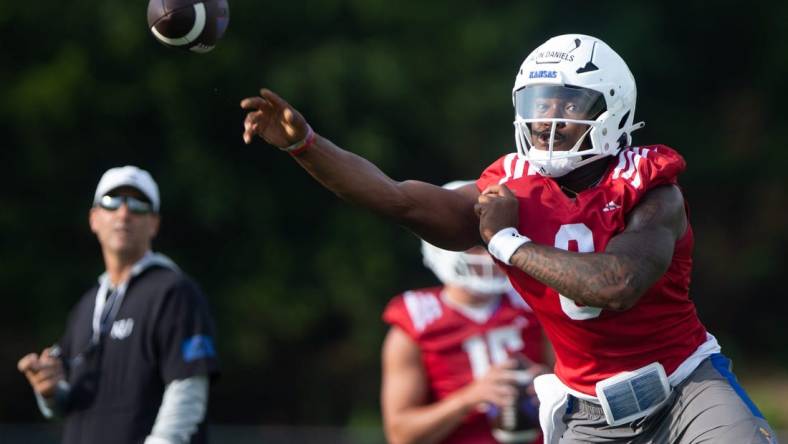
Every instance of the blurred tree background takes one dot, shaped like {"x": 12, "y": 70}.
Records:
{"x": 297, "y": 279}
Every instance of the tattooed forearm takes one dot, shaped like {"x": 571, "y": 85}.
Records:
{"x": 630, "y": 265}
{"x": 598, "y": 280}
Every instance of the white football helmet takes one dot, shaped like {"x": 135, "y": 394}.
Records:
{"x": 472, "y": 270}
{"x": 578, "y": 79}
{"x": 475, "y": 272}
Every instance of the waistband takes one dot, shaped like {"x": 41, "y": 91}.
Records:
{"x": 580, "y": 405}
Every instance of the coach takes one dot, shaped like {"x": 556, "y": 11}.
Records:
{"x": 135, "y": 362}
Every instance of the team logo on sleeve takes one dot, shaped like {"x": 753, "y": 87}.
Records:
{"x": 198, "y": 347}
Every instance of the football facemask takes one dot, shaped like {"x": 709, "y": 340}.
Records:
{"x": 552, "y": 123}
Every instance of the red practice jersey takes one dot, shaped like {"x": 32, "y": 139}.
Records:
{"x": 455, "y": 349}
{"x": 592, "y": 344}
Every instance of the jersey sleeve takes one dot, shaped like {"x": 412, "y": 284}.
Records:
{"x": 495, "y": 172}
{"x": 396, "y": 314}
{"x": 185, "y": 334}
{"x": 643, "y": 168}
{"x": 665, "y": 166}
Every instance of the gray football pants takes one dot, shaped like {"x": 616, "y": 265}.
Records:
{"x": 708, "y": 407}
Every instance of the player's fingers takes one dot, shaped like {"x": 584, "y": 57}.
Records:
{"x": 507, "y": 378}
{"x": 274, "y": 99}
{"x": 507, "y": 384}
{"x": 504, "y": 394}
{"x": 504, "y": 365}
{"x": 478, "y": 209}
{"x": 252, "y": 118}
{"x": 492, "y": 190}
{"x": 484, "y": 199}
{"x": 505, "y": 191}
{"x": 520, "y": 377}
{"x": 535, "y": 370}
{"x": 251, "y": 125}
{"x": 260, "y": 117}
{"x": 509, "y": 363}
{"x": 248, "y": 134}
{"x": 252, "y": 103}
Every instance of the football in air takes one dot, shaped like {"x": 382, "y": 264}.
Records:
{"x": 519, "y": 422}
{"x": 188, "y": 24}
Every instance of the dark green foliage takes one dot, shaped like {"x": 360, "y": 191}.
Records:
{"x": 297, "y": 278}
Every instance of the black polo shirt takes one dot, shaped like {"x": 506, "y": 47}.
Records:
{"x": 163, "y": 331}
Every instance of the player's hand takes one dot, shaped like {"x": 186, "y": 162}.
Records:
{"x": 527, "y": 377}
{"x": 273, "y": 119}
{"x": 497, "y": 208}
{"x": 497, "y": 386}
{"x": 44, "y": 372}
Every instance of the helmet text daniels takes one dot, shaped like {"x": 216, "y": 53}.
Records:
{"x": 555, "y": 55}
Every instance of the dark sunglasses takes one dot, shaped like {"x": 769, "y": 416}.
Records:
{"x": 135, "y": 205}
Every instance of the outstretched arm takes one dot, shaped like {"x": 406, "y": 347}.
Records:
{"x": 614, "y": 279}
{"x": 442, "y": 217}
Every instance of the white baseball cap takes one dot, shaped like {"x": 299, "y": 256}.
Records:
{"x": 128, "y": 176}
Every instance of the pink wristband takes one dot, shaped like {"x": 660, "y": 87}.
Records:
{"x": 301, "y": 146}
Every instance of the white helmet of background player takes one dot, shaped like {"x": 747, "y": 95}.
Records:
{"x": 596, "y": 89}
{"x": 474, "y": 270}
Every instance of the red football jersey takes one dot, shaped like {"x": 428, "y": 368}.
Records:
{"x": 592, "y": 344}
{"x": 455, "y": 348}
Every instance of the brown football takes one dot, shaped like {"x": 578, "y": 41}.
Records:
{"x": 195, "y": 25}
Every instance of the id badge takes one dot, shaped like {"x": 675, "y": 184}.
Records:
{"x": 628, "y": 396}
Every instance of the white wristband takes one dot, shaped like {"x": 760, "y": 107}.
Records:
{"x": 505, "y": 242}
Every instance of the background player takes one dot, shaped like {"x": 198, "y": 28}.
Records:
{"x": 447, "y": 355}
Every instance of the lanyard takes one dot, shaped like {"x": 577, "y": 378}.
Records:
{"x": 100, "y": 326}
{"x": 102, "y": 321}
